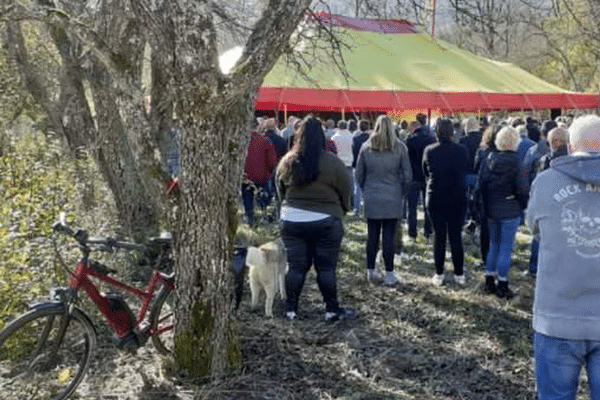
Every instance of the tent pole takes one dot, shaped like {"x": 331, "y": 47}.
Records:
{"x": 343, "y": 114}
{"x": 285, "y": 114}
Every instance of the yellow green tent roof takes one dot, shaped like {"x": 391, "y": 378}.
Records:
{"x": 393, "y": 67}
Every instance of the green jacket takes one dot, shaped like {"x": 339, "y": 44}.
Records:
{"x": 330, "y": 193}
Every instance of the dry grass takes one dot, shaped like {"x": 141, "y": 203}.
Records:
{"x": 415, "y": 341}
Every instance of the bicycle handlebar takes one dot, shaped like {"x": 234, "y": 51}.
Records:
{"x": 106, "y": 244}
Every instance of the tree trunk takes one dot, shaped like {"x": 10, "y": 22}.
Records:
{"x": 206, "y": 342}
{"x": 109, "y": 142}
{"x": 106, "y": 41}
{"x": 215, "y": 113}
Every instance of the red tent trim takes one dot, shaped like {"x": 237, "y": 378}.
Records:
{"x": 304, "y": 99}
{"x": 361, "y": 24}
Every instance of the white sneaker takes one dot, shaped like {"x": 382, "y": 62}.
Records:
{"x": 460, "y": 279}
{"x": 291, "y": 315}
{"x": 373, "y": 276}
{"x": 437, "y": 280}
{"x": 391, "y": 279}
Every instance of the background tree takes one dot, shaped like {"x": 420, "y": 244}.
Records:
{"x": 78, "y": 98}
{"x": 570, "y": 35}
{"x": 99, "y": 105}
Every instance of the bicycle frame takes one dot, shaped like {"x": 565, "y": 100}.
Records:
{"x": 118, "y": 319}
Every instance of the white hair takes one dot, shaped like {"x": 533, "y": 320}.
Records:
{"x": 471, "y": 124}
{"x": 584, "y": 134}
{"x": 558, "y": 137}
{"x": 507, "y": 139}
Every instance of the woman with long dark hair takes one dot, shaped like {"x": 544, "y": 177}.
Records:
{"x": 445, "y": 165}
{"x": 316, "y": 189}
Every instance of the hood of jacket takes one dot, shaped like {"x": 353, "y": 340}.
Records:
{"x": 501, "y": 162}
{"x": 583, "y": 168}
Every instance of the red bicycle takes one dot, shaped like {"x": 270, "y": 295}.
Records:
{"x": 45, "y": 353}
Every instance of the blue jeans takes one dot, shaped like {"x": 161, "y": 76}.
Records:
{"x": 533, "y": 258}
{"x": 502, "y": 237}
{"x": 312, "y": 243}
{"x": 558, "y": 363}
{"x": 415, "y": 190}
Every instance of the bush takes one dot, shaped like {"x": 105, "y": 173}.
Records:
{"x": 36, "y": 180}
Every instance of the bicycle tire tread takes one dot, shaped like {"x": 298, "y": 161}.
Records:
{"x": 32, "y": 362}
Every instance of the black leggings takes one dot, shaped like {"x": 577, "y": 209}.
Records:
{"x": 312, "y": 243}
{"x": 447, "y": 223}
{"x": 387, "y": 229}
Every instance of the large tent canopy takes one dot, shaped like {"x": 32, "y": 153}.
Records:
{"x": 393, "y": 67}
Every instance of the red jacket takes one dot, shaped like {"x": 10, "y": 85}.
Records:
{"x": 330, "y": 146}
{"x": 261, "y": 158}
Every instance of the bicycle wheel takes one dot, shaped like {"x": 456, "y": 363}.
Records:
{"x": 37, "y": 362}
{"x": 162, "y": 320}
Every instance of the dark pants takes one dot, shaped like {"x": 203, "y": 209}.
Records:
{"x": 312, "y": 243}
{"x": 484, "y": 239}
{"x": 398, "y": 242}
{"x": 260, "y": 191}
{"x": 447, "y": 223}
{"x": 387, "y": 229}
{"x": 533, "y": 258}
{"x": 470, "y": 182}
{"x": 416, "y": 189}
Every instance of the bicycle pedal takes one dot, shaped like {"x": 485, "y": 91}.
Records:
{"x": 129, "y": 342}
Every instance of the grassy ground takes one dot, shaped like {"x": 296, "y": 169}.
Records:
{"x": 413, "y": 341}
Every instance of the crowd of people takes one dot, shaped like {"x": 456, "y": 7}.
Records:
{"x": 494, "y": 174}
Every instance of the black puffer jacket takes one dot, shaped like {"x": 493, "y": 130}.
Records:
{"x": 504, "y": 186}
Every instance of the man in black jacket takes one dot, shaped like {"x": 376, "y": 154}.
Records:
{"x": 361, "y": 136}
{"x": 557, "y": 140}
{"x": 416, "y": 144}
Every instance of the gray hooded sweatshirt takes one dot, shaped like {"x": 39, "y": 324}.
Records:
{"x": 564, "y": 208}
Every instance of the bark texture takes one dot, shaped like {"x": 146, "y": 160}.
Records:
{"x": 103, "y": 47}
{"x": 215, "y": 111}
{"x": 107, "y": 122}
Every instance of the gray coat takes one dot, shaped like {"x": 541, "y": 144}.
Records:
{"x": 383, "y": 177}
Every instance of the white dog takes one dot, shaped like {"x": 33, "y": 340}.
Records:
{"x": 267, "y": 267}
